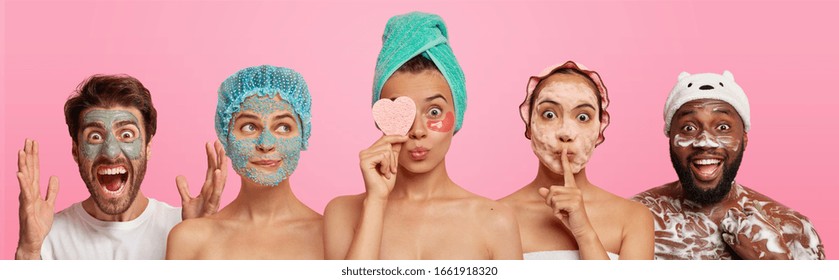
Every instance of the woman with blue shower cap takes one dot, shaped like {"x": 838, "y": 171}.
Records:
{"x": 411, "y": 208}
{"x": 263, "y": 120}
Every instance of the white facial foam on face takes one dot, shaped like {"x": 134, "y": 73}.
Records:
{"x": 704, "y": 140}
{"x": 728, "y": 142}
{"x": 683, "y": 141}
{"x": 565, "y": 131}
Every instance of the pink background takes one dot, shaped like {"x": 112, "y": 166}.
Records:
{"x": 781, "y": 53}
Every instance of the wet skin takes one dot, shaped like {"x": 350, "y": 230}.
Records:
{"x": 706, "y": 214}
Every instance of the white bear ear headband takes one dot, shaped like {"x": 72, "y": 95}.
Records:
{"x": 690, "y": 87}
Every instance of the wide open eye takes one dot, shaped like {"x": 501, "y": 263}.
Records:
{"x": 549, "y": 115}
{"x": 723, "y": 127}
{"x": 126, "y": 135}
{"x": 94, "y": 137}
{"x": 689, "y": 128}
{"x": 583, "y": 117}
{"x": 434, "y": 112}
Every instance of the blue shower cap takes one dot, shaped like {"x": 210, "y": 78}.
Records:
{"x": 263, "y": 80}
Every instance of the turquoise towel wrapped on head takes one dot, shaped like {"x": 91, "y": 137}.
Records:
{"x": 413, "y": 34}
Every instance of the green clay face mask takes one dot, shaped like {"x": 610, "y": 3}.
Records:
{"x": 118, "y": 134}
{"x": 112, "y": 158}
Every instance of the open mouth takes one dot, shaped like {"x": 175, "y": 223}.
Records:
{"x": 706, "y": 169}
{"x": 112, "y": 178}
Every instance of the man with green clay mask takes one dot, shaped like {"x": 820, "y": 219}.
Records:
{"x": 111, "y": 120}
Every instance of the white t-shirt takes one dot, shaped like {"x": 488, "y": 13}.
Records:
{"x": 77, "y": 235}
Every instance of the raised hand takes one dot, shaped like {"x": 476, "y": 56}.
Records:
{"x": 567, "y": 204}
{"x": 751, "y": 235}
{"x": 36, "y": 214}
{"x": 379, "y": 165}
{"x": 207, "y": 202}
{"x": 567, "y": 201}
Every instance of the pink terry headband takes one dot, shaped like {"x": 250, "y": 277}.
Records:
{"x": 524, "y": 108}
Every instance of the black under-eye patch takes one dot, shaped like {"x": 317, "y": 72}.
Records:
{"x": 721, "y": 84}
{"x": 690, "y": 84}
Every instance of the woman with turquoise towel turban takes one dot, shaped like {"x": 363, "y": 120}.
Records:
{"x": 263, "y": 120}
{"x": 411, "y": 208}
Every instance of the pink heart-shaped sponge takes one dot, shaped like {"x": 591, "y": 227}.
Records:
{"x": 395, "y": 117}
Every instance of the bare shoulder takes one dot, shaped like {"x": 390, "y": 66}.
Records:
{"x": 625, "y": 227}
{"x": 517, "y": 201}
{"x": 194, "y": 228}
{"x": 639, "y": 219}
{"x": 309, "y": 230}
{"x": 311, "y": 221}
{"x": 493, "y": 214}
{"x": 340, "y": 218}
{"x": 631, "y": 213}
{"x": 500, "y": 213}
{"x": 188, "y": 237}
{"x": 634, "y": 212}
{"x": 344, "y": 206}
{"x": 342, "y": 214}
{"x": 516, "y": 197}
{"x": 496, "y": 223}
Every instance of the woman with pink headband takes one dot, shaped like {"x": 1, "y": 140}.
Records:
{"x": 561, "y": 214}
